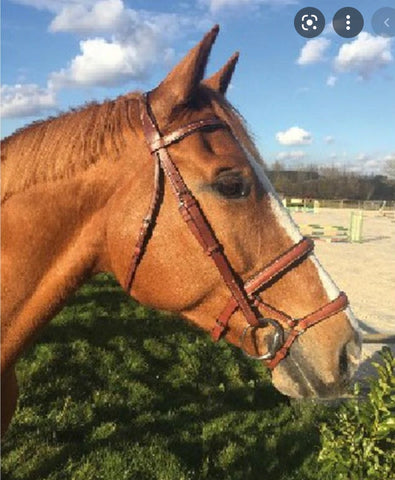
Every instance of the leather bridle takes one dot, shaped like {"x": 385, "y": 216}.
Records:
{"x": 244, "y": 297}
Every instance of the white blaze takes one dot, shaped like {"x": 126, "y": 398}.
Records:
{"x": 285, "y": 220}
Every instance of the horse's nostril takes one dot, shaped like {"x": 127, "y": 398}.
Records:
{"x": 343, "y": 362}
{"x": 349, "y": 358}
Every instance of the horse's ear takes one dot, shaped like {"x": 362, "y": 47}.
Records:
{"x": 220, "y": 80}
{"x": 181, "y": 84}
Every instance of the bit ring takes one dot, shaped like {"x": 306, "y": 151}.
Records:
{"x": 276, "y": 343}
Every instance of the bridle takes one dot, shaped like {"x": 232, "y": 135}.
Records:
{"x": 244, "y": 297}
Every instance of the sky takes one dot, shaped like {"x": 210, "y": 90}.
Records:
{"x": 322, "y": 101}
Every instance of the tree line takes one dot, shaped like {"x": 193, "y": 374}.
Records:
{"x": 330, "y": 183}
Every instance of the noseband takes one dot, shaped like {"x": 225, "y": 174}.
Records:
{"x": 244, "y": 297}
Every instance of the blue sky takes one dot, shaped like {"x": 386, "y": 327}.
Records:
{"x": 328, "y": 100}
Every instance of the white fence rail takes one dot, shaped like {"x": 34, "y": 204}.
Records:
{"x": 383, "y": 205}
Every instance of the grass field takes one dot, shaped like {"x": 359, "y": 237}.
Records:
{"x": 116, "y": 391}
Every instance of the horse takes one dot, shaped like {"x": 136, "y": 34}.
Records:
{"x": 97, "y": 189}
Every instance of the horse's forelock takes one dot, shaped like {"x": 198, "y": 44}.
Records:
{"x": 227, "y": 112}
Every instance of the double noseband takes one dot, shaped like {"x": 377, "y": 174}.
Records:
{"x": 244, "y": 297}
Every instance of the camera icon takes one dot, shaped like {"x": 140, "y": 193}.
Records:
{"x": 309, "y": 22}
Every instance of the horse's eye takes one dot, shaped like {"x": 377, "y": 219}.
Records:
{"x": 232, "y": 186}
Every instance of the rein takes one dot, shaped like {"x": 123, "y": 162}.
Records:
{"x": 244, "y": 297}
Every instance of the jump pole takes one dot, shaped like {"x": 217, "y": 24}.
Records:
{"x": 337, "y": 233}
{"x": 356, "y": 222}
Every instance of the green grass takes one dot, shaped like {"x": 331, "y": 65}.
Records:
{"x": 113, "y": 390}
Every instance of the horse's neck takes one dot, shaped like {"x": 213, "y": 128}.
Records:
{"x": 42, "y": 226}
{"x": 53, "y": 239}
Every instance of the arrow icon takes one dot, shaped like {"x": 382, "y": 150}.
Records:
{"x": 383, "y": 22}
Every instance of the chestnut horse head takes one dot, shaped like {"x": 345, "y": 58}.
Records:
{"x": 76, "y": 189}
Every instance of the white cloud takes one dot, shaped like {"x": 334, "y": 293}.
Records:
{"x": 329, "y": 140}
{"x": 113, "y": 17}
{"x": 373, "y": 164}
{"x": 331, "y": 81}
{"x": 293, "y": 155}
{"x": 313, "y": 51}
{"x": 366, "y": 54}
{"x": 26, "y": 100}
{"x": 140, "y": 40}
{"x": 217, "y": 5}
{"x": 103, "y": 16}
{"x": 294, "y": 136}
{"x": 367, "y": 166}
{"x": 362, "y": 157}
{"x": 110, "y": 63}
{"x": 121, "y": 44}
{"x": 388, "y": 166}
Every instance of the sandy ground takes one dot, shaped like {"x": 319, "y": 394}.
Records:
{"x": 365, "y": 271}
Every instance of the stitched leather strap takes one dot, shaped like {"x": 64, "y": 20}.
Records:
{"x": 145, "y": 229}
{"x": 183, "y": 132}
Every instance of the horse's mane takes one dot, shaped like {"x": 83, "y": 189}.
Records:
{"x": 60, "y": 147}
